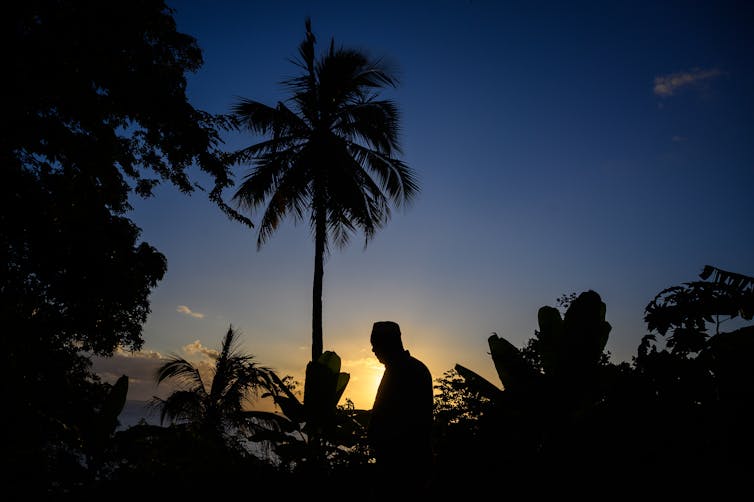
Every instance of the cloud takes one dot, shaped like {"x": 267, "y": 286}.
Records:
{"x": 196, "y": 347}
{"x": 667, "y": 85}
{"x": 185, "y": 310}
{"x": 140, "y": 367}
{"x": 679, "y": 139}
{"x": 368, "y": 363}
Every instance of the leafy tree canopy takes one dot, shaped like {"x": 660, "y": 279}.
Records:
{"x": 96, "y": 110}
{"x": 685, "y": 311}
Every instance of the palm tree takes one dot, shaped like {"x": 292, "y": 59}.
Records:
{"x": 219, "y": 411}
{"x": 330, "y": 155}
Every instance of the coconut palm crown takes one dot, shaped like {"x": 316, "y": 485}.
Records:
{"x": 330, "y": 155}
{"x": 217, "y": 409}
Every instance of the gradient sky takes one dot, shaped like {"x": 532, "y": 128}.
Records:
{"x": 560, "y": 147}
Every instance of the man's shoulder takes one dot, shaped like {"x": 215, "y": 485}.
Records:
{"x": 410, "y": 362}
{"x": 418, "y": 365}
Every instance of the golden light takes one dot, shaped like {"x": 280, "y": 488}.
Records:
{"x": 366, "y": 374}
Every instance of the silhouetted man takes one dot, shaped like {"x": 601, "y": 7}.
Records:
{"x": 400, "y": 427}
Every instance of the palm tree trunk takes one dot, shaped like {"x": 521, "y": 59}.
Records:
{"x": 320, "y": 235}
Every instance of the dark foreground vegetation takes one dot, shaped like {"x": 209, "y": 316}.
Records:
{"x": 679, "y": 414}
{"x": 97, "y": 112}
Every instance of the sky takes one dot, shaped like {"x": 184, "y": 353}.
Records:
{"x": 559, "y": 147}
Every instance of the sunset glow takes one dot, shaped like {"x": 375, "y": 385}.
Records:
{"x": 540, "y": 177}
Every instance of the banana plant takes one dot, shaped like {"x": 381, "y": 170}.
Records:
{"x": 312, "y": 431}
{"x": 113, "y": 406}
{"x": 105, "y": 420}
{"x": 566, "y": 349}
{"x": 558, "y": 380}
{"x": 549, "y": 390}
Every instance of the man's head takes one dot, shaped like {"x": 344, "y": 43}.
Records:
{"x": 386, "y": 339}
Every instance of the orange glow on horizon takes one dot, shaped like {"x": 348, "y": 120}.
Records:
{"x": 365, "y": 374}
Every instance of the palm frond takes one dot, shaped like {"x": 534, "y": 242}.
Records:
{"x": 373, "y": 123}
{"x": 254, "y": 116}
{"x": 339, "y": 227}
{"x": 225, "y": 367}
{"x": 304, "y": 86}
{"x": 263, "y": 148}
{"x": 357, "y": 202}
{"x": 292, "y": 195}
{"x": 178, "y": 369}
{"x": 180, "y": 406}
{"x": 348, "y": 74}
{"x": 263, "y": 180}
{"x": 265, "y": 421}
{"x": 395, "y": 176}
{"x": 259, "y": 118}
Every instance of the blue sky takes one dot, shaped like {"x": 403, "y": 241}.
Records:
{"x": 559, "y": 146}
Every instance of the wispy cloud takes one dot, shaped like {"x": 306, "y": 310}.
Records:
{"x": 667, "y": 85}
{"x": 679, "y": 139}
{"x": 183, "y": 309}
{"x": 140, "y": 367}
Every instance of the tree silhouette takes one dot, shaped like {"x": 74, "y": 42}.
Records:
{"x": 98, "y": 113}
{"x": 330, "y": 155}
{"x": 215, "y": 410}
{"x": 684, "y": 313}
{"x": 701, "y": 379}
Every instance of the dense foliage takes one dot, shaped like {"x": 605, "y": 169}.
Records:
{"x": 680, "y": 411}
{"x": 95, "y": 112}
